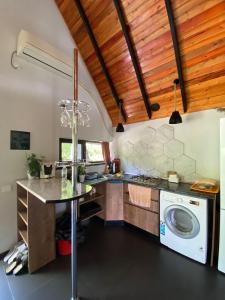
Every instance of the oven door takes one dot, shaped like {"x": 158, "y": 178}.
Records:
{"x": 181, "y": 221}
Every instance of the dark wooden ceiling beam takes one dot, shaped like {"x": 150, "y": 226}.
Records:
{"x": 133, "y": 56}
{"x": 173, "y": 30}
{"x": 99, "y": 56}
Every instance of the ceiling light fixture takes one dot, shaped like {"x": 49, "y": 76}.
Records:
{"x": 119, "y": 127}
{"x": 175, "y": 117}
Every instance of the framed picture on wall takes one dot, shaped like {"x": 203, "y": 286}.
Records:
{"x": 19, "y": 140}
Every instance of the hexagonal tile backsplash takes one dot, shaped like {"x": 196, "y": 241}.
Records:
{"x": 155, "y": 153}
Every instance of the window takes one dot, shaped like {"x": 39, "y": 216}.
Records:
{"x": 94, "y": 152}
{"x": 87, "y": 150}
{"x": 65, "y": 150}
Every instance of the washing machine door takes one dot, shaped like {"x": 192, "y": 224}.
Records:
{"x": 181, "y": 221}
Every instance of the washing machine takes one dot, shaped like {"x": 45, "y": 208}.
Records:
{"x": 184, "y": 225}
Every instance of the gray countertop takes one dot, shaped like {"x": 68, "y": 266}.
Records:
{"x": 54, "y": 190}
{"x": 179, "y": 188}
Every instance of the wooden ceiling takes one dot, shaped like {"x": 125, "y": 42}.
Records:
{"x": 200, "y": 26}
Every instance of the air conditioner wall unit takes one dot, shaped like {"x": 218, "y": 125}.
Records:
{"x": 36, "y": 50}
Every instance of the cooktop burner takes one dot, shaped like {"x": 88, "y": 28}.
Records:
{"x": 153, "y": 181}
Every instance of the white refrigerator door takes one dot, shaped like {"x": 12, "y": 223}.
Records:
{"x": 222, "y": 163}
{"x": 221, "y": 262}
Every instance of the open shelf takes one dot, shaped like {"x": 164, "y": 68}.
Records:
{"x": 23, "y": 234}
{"x": 88, "y": 210}
{"x": 86, "y": 217}
{"x": 23, "y": 201}
{"x": 23, "y": 216}
{"x": 91, "y": 198}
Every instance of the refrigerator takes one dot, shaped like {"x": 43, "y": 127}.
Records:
{"x": 221, "y": 261}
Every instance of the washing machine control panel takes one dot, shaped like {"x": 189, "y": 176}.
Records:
{"x": 194, "y": 202}
{"x": 180, "y": 199}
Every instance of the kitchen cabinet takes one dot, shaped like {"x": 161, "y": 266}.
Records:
{"x": 114, "y": 201}
{"x": 146, "y": 218}
{"x": 142, "y": 218}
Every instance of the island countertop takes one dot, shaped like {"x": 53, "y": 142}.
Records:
{"x": 54, "y": 190}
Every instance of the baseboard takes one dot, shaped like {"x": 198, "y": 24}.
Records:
{"x": 143, "y": 232}
{"x": 114, "y": 223}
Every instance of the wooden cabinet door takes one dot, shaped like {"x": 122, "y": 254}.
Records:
{"x": 114, "y": 201}
{"x": 142, "y": 218}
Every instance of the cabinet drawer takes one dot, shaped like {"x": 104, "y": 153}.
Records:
{"x": 152, "y": 205}
{"x": 142, "y": 218}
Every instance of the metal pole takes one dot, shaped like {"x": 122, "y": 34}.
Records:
{"x": 74, "y": 249}
{"x": 74, "y": 203}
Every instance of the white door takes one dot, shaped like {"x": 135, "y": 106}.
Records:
{"x": 221, "y": 262}
{"x": 222, "y": 163}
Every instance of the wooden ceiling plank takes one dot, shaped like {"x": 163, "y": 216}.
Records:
{"x": 99, "y": 55}
{"x": 177, "y": 52}
{"x": 201, "y": 30}
{"x": 134, "y": 57}
{"x": 195, "y": 8}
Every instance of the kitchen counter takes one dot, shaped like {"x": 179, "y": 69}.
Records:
{"x": 145, "y": 219}
{"x": 179, "y": 188}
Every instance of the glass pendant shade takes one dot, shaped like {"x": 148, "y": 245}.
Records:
{"x": 120, "y": 128}
{"x": 175, "y": 118}
{"x": 82, "y": 109}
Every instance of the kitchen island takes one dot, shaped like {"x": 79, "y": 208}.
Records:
{"x": 36, "y": 215}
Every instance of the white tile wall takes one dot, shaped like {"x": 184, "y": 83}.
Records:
{"x": 155, "y": 153}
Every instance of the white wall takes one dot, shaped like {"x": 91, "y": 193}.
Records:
{"x": 29, "y": 97}
{"x": 199, "y": 134}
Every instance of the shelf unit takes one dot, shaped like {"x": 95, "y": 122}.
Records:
{"x": 91, "y": 215}
{"x": 36, "y": 227}
{"x": 22, "y": 214}
{"x": 97, "y": 197}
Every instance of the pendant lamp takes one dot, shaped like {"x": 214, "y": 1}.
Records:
{"x": 119, "y": 127}
{"x": 175, "y": 117}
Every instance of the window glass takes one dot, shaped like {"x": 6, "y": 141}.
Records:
{"x": 94, "y": 152}
{"x": 66, "y": 151}
{"x": 89, "y": 151}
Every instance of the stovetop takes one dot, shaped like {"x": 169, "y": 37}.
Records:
{"x": 153, "y": 181}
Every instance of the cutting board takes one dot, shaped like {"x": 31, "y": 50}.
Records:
{"x": 206, "y": 186}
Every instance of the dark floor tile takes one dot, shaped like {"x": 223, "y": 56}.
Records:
{"x": 118, "y": 264}
{"x": 5, "y": 293}
{"x": 2, "y": 274}
{"x": 60, "y": 289}
{"x": 23, "y": 285}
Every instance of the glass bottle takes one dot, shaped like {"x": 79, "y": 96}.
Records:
{"x": 64, "y": 172}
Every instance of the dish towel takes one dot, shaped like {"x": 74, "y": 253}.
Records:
{"x": 140, "y": 195}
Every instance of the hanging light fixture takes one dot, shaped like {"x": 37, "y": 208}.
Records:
{"x": 175, "y": 117}
{"x": 119, "y": 127}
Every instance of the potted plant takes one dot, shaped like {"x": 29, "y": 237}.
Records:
{"x": 33, "y": 164}
{"x": 81, "y": 173}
